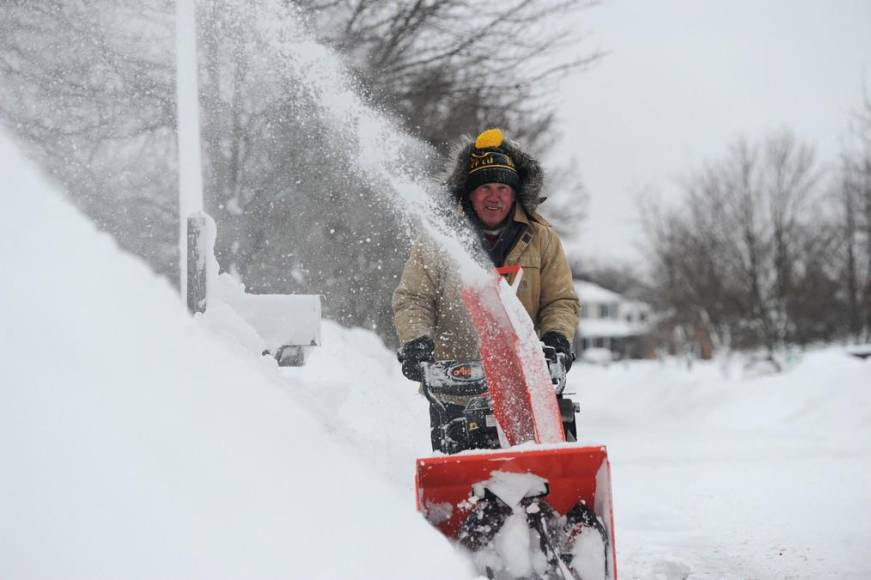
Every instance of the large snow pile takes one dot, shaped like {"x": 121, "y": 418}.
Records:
{"x": 135, "y": 444}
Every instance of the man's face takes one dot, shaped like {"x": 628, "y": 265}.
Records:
{"x": 492, "y": 202}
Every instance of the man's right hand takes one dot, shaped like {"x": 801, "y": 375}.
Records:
{"x": 413, "y": 353}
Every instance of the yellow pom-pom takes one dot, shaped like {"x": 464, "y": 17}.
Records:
{"x": 489, "y": 138}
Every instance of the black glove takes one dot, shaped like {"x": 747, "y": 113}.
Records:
{"x": 413, "y": 353}
{"x": 560, "y": 344}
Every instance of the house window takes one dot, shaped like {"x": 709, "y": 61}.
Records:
{"x": 608, "y": 311}
{"x": 599, "y": 342}
{"x": 585, "y": 311}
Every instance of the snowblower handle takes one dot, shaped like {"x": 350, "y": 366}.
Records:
{"x": 556, "y": 365}
{"x": 466, "y": 379}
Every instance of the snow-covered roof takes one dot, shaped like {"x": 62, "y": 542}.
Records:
{"x": 590, "y": 293}
{"x": 609, "y": 327}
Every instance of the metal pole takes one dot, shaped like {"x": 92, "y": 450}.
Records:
{"x": 199, "y": 252}
{"x": 190, "y": 187}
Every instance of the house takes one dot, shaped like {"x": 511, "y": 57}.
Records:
{"x": 614, "y": 322}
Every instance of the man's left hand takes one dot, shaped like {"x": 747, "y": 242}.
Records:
{"x": 561, "y": 344}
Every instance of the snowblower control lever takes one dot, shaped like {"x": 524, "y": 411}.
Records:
{"x": 466, "y": 379}
{"x": 459, "y": 390}
{"x": 556, "y": 364}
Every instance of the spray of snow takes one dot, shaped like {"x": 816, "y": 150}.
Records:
{"x": 383, "y": 158}
{"x": 387, "y": 158}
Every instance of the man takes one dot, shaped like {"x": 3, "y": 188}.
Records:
{"x": 497, "y": 187}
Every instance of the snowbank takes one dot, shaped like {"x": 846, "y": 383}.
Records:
{"x": 135, "y": 444}
{"x": 720, "y": 476}
{"x": 826, "y": 393}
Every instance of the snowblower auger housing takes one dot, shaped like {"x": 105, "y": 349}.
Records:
{"x": 574, "y": 474}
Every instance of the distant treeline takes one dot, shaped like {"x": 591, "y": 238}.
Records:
{"x": 767, "y": 247}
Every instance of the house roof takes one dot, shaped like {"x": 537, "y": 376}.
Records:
{"x": 592, "y": 328}
{"x": 593, "y": 293}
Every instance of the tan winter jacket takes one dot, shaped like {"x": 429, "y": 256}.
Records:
{"x": 428, "y": 300}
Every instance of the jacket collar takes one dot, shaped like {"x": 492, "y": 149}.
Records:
{"x": 520, "y": 214}
{"x": 525, "y": 237}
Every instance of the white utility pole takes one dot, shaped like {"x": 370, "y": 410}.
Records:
{"x": 190, "y": 186}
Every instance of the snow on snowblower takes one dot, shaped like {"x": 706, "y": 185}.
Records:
{"x": 515, "y": 488}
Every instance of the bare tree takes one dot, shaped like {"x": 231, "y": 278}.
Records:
{"x": 853, "y": 191}
{"x": 90, "y": 89}
{"x": 446, "y": 66}
{"x": 771, "y": 195}
{"x": 741, "y": 255}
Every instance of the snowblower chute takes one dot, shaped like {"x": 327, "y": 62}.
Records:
{"x": 560, "y": 491}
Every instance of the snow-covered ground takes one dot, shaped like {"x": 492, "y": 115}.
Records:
{"x": 136, "y": 442}
{"x": 718, "y": 477}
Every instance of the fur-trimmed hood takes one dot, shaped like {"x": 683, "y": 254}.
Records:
{"x": 529, "y": 170}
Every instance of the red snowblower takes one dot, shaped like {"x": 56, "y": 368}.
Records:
{"x": 515, "y": 488}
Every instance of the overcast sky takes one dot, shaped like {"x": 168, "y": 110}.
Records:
{"x": 686, "y": 78}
